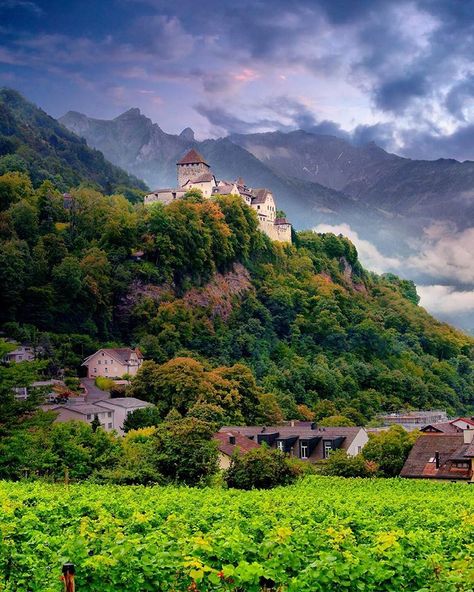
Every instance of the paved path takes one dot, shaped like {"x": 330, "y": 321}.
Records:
{"x": 93, "y": 392}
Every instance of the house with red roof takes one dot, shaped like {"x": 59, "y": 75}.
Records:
{"x": 230, "y": 442}
{"x": 443, "y": 456}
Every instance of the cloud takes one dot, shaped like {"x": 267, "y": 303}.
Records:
{"x": 446, "y": 255}
{"x": 369, "y": 255}
{"x": 31, "y": 7}
{"x": 445, "y": 300}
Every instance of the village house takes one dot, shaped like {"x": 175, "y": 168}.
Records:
{"x": 442, "y": 456}
{"x": 228, "y": 443}
{"x": 122, "y": 407}
{"x": 305, "y": 440}
{"x": 449, "y": 427}
{"x": 111, "y": 413}
{"x": 113, "y": 362}
{"x": 193, "y": 172}
{"x": 22, "y": 353}
{"x": 85, "y": 412}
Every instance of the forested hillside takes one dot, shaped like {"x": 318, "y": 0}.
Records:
{"x": 197, "y": 279}
{"x": 33, "y": 142}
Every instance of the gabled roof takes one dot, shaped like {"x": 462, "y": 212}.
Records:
{"x": 260, "y": 196}
{"x": 192, "y": 157}
{"x": 445, "y": 427}
{"x": 279, "y": 221}
{"x": 242, "y": 443}
{"x": 468, "y": 420}
{"x": 420, "y": 464}
{"x": 120, "y": 354}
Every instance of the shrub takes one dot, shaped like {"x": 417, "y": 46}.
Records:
{"x": 105, "y": 384}
{"x": 340, "y": 464}
{"x": 260, "y": 468}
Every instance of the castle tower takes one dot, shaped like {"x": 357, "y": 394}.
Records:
{"x": 191, "y": 166}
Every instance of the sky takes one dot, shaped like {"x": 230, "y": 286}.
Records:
{"x": 399, "y": 73}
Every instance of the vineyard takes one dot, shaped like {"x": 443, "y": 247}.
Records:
{"x": 323, "y": 534}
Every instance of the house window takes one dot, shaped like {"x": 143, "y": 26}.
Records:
{"x": 99, "y": 361}
{"x": 303, "y": 450}
{"x": 327, "y": 449}
{"x": 89, "y": 417}
{"x": 110, "y": 426}
{"x": 109, "y": 414}
{"x": 359, "y": 449}
{"x": 461, "y": 465}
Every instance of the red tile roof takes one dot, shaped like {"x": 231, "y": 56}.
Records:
{"x": 242, "y": 443}
{"x": 192, "y": 157}
{"x": 449, "y": 446}
{"x": 445, "y": 427}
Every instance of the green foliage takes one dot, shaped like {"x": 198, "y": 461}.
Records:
{"x": 185, "y": 451}
{"x": 338, "y": 421}
{"x": 265, "y": 330}
{"x": 340, "y": 464}
{"x": 31, "y": 141}
{"x": 142, "y": 418}
{"x": 323, "y": 534}
{"x": 104, "y": 383}
{"x": 260, "y": 468}
{"x": 389, "y": 449}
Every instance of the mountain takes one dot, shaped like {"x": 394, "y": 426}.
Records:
{"x": 426, "y": 190}
{"x": 32, "y": 140}
{"x": 213, "y": 299}
{"x": 140, "y": 146}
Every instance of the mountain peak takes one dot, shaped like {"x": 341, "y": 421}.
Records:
{"x": 187, "y": 134}
{"x": 130, "y": 113}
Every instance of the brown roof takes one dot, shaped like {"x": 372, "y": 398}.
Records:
{"x": 121, "y": 354}
{"x": 260, "y": 196}
{"x": 242, "y": 443}
{"x": 281, "y": 221}
{"x": 302, "y": 431}
{"x": 192, "y": 157}
{"x": 420, "y": 464}
{"x": 204, "y": 178}
{"x": 469, "y": 452}
{"x": 444, "y": 427}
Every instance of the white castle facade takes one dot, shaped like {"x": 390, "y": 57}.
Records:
{"x": 194, "y": 173}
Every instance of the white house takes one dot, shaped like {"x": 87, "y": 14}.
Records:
{"x": 122, "y": 407}
{"x": 113, "y": 362}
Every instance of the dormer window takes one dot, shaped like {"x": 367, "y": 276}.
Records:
{"x": 327, "y": 449}
{"x": 303, "y": 450}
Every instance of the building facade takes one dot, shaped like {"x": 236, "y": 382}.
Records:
{"x": 113, "y": 362}
{"x": 305, "y": 441}
{"x": 193, "y": 172}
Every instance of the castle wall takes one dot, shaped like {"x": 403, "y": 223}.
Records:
{"x": 188, "y": 172}
{"x": 277, "y": 232}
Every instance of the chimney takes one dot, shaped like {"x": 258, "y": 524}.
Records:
{"x": 313, "y": 425}
{"x": 437, "y": 459}
{"x": 264, "y": 429}
{"x": 292, "y": 423}
{"x": 231, "y": 439}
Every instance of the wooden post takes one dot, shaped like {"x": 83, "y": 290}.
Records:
{"x": 68, "y": 577}
{"x": 66, "y": 476}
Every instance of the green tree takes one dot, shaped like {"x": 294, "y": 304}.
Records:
{"x": 260, "y": 468}
{"x": 142, "y": 418}
{"x": 185, "y": 451}
{"x": 389, "y": 449}
{"x": 340, "y": 464}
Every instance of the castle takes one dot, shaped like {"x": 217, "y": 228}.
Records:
{"x": 194, "y": 173}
